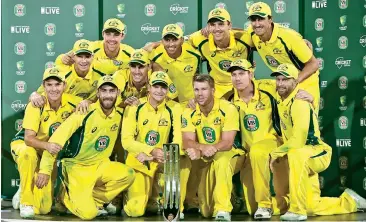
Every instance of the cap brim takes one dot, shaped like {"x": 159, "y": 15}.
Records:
{"x": 118, "y": 30}
{"x": 54, "y": 76}
{"x": 233, "y": 68}
{"x": 83, "y": 51}
{"x": 108, "y": 82}
{"x": 173, "y": 34}
{"x": 285, "y": 74}
{"x": 159, "y": 81}
{"x": 218, "y": 18}
{"x": 260, "y": 14}
{"x": 138, "y": 61}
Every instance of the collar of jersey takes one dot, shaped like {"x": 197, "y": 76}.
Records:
{"x": 255, "y": 96}
{"x": 212, "y": 46}
{"x": 289, "y": 98}
{"x": 47, "y": 106}
{"x": 159, "y": 108}
{"x": 274, "y": 33}
{"x": 180, "y": 58}
{"x": 215, "y": 107}
{"x": 98, "y": 107}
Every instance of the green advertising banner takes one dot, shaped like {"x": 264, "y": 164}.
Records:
{"x": 337, "y": 30}
{"x": 145, "y": 20}
{"x": 285, "y": 12}
{"x": 34, "y": 34}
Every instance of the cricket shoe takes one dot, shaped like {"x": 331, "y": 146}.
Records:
{"x": 223, "y": 216}
{"x": 16, "y": 200}
{"x": 26, "y": 211}
{"x": 360, "y": 201}
{"x": 263, "y": 213}
{"x": 289, "y": 216}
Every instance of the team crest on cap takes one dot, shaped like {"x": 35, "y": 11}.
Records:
{"x": 84, "y": 45}
{"x": 256, "y": 8}
{"x": 283, "y": 68}
{"x": 137, "y": 55}
{"x": 113, "y": 23}
{"x": 171, "y": 28}
{"x": 107, "y": 78}
{"x": 216, "y": 11}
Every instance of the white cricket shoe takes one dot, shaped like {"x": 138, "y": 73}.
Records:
{"x": 223, "y": 216}
{"x": 289, "y": 216}
{"x": 360, "y": 201}
{"x": 181, "y": 216}
{"x": 102, "y": 212}
{"x": 111, "y": 209}
{"x": 263, "y": 213}
{"x": 16, "y": 200}
{"x": 26, "y": 211}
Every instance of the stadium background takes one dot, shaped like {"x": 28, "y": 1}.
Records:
{"x": 35, "y": 32}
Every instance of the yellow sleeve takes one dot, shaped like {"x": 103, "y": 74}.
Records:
{"x": 187, "y": 124}
{"x": 60, "y": 137}
{"x": 300, "y": 115}
{"x": 268, "y": 85}
{"x": 196, "y": 38}
{"x": 247, "y": 37}
{"x": 40, "y": 89}
{"x": 231, "y": 120}
{"x": 128, "y": 49}
{"x": 32, "y": 118}
{"x": 74, "y": 100}
{"x": 299, "y": 47}
{"x": 129, "y": 129}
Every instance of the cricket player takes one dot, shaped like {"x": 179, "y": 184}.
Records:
{"x": 179, "y": 60}
{"x": 208, "y": 134}
{"x": 277, "y": 45}
{"x": 81, "y": 77}
{"x": 30, "y": 142}
{"x": 135, "y": 79}
{"x": 307, "y": 154}
{"x": 90, "y": 179}
{"x": 220, "y": 48}
{"x": 109, "y": 52}
{"x": 145, "y": 129}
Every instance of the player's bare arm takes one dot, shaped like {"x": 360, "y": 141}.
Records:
{"x": 31, "y": 140}
{"x": 310, "y": 68}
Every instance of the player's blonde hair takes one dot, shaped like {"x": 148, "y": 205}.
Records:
{"x": 204, "y": 78}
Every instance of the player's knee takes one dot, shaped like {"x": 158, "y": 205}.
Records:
{"x": 135, "y": 210}
{"x": 88, "y": 213}
{"x": 27, "y": 154}
{"x": 257, "y": 152}
{"x": 130, "y": 178}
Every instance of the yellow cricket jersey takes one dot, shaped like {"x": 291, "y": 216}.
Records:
{"x": 259, "y": 119}
{"x": 223, "y": 117}
{"x": 86, "y": 87}
{"x": 128, "y": 89}
{"x": 87, "y": 138}
{"x": 285, "y": 46}
{"x": 44, "y": 120}
{"x": 120, "y": 62}
{"x": 299, "y": 125}
{"x": 180, "y": 70}
{"x": 219, "y": 60}
{"x": 145, "y": 128}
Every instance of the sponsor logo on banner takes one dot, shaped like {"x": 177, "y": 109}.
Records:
{"x": 121, "y": 8}
{"x": 320, "y": 122}
{"x": 364, "y": 179}
{"x": 50, "y": 29}
{"x": 364, "y": 102}
{"x": 363, "y": 122}
{"x": 364, "y": 21}
{"x": 147, "y": 28}
{"x": 340, "y": 62}
{"x": 324, "y": 84}
{"x": 20, "y": 67}
{"x": 343, "y": 122}
{"x": 79, "y": 28}
{"x": 343, "y": 4}
{"x": 343, "y": 82}
{"x": 20, "y": 48}
{"x": 20, "y": 87}
{"x": 364, "y": 142}
{"x": 319, "y": 4}
{"x": 18, "y": 124}
{"x": 18, "y": 105}
{"x": 50, "y": 46}
{"x": 343, "y": 182}
{"x": 223, "y": 5}
{"x": 364, "y": 62}
{"x": 176, "y": 8}
{"x": 49, "y": 64}
{"x": 321, "y": 182}
{"x": 319, "y": 24}
{"x": 280, "y": 7}
{"x": 320, "y": 63}
{"x": 284, "y": 24}
{"x": 182, "y": 26}
{"x": 15, "y": 182}
{"x": 79, "y": 10}
{"x": 343, "y": 42}
{"x": 363, "y": 40}
{"x": 343, "y": 162}
{"x": 20, "y": 29}
{"x": 50, "y": 10}
{"x": 364, "y": 77}
{"x": 19, "y": 10}
{"x": 150, "y": 10}
{"x": 319, "y": 42}
{"x": 321, "y": 103}
{"x": 343, "y": 101}
{"x": 343, "y": 21}
{"x": 343, "y": 142}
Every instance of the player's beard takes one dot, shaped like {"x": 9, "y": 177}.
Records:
{"x": 108, "y": 103}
